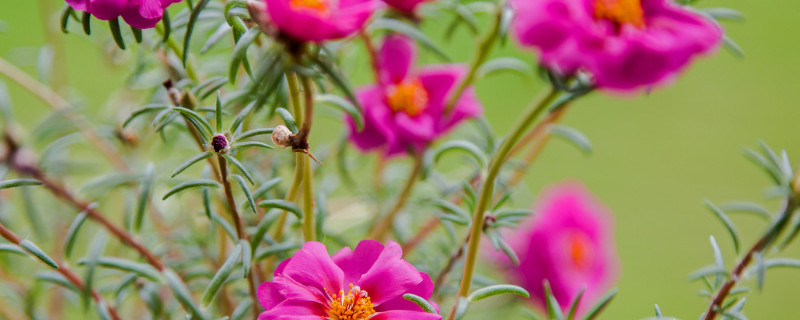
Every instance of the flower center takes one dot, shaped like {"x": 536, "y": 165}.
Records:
{"x": 579, "y": 248}
{"x": 319, "y": 6}
{"x": 408, "y": 96}
{"x": 355, "y": 305}
{"x": 620, "y": 12}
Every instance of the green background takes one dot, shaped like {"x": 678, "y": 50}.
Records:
{"x": 656, "y": 157}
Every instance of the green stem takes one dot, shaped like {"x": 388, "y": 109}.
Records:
{"x": 519, "y": 129}
{"x": 381, "y": 229}
{"x": 309, "y": 231}
{"x": 484, "y": 48}
{"x": 178, "y": 51}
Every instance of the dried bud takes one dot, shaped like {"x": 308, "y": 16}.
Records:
{"x": 220, "y": 144}
{"x": 282, "y": 136}
{"x": 258, "y": 12}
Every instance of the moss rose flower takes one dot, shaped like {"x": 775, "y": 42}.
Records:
{"x": 318, "y": 20}
{"x": 141, "y": 14}
{"x": 406, "y": 109}
{"x": 405, "y": 6}
{"x": 624, "y": 44}
{"x": 366, "y": 283}
{"x": 568, "y": 243}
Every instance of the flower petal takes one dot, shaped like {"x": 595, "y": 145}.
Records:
{"x": 311, "y": 266}
{"x": 390, "y": 276}
{"x": 397, "y": 57}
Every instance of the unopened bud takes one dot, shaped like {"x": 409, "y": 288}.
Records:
{"x": 282, "y": 136}
{"x": 220, "y": 144}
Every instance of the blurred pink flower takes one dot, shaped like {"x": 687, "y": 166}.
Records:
{"x": 318, "y": 20}
{"x": 366, "y": 283}
{"x": 405, "y": 111}
{"x": 624, "y": 44}
{"x": 567, "y": 242}
{"x": 140, "y": 14}
{"x": 406, "y": 6}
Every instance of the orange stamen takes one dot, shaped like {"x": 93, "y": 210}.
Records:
{"x": 620, "y": 12}
{"x": 408, "y": 96}
{"x": 355, "y": 305}
{"x": 579, "y": 247}
{"x": 320, "y": 6}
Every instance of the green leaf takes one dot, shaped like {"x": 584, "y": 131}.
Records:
{"x": 137, "y": 34}
{"x": 38, "y": 253}
{"x": 450, "y": 207}
{"x": 708, "y": 271}
{"x": 190, "y": 114}
{"x": 72, "y": 233}
{"x": 553, "y": 308}
{"x": 338, "y": 79}
{"x": 723, "y": 14}
{"x": 97, "y": 246}
{"x": 218, "y": 113}
{"x": 409, "y": 30}
{"x": 190, "y": 184}
{"x": 241, "y": 310}
{"x": 727, "y": 222}
{"x": 247, "y": 257}
{"x": 241, "y": 168}
{"x": 225, "y": 226}
{"x": 215, "y": 37}
{"x": 116, "y": 33}
{"x": 253, "y": 133}
{"x": 601, "y": 305}
{"x": 572, "y": 135}
{"x": 57, "y": 279}
{"x": 718, "y": 261}
{"x": 19, "y": 182}
{"x": 188, "y": 163}
{"x": 141, "y": 269}
{"x": 658, "y": 312}
{"x": 146, "y": 109}
{"x": 782, "y": 262}
{"x": 761, "y": 270}
{"x": 65, "y": 15}
{"x": 246, "y": 191}
{"x": 240, "y": 117}
{"x": 494, "y": 290}
{"x": 343, "y": 104}
{"x": 222, "y": 274}
{"x": 575, "y": 303}
{"x": 10, "y": 248}
{"x": 288, "y": 119}
{"x": 182, "y": 293}
{"x": 504, "y": 64}
{"x": 421, "y": 302}
{"x": 461, "y": 308}
{"x": 190, "y": 28}
{"x": 262, "y": 190}
{"x": 276, "y": 249}
{"x": 248, "y": 144}
{"x": 461, "y": 145}
{"x": 733, "y": 47}
{"x": 747, "y": 207}
{"x": 284, "y": 205}
{"x": 240, "y": 53}
{"x": 86, "y": 21}
{"x": 167, "y": 26}
{"x": 145, "y": 193}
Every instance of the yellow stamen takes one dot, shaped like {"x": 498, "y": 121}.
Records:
{"x": 408, "y": 96}
{"x": 355, "y": 305}
{"x": 620, "y": 12}
{"x": 320, "y": 6}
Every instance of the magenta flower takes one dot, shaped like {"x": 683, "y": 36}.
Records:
{"x": 140, "y": 14}
{"x": 366, "y": 283}
{"x": 623, "y": 44}
{"x": 405, "y": 111}
{"x": 317, "y": 20}
{"x": 567, "y": 242}
{"x": 405, "y": 6}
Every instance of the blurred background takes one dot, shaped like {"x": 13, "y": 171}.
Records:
{"x": 656, "y": 156}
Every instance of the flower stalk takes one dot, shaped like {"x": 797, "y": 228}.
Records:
{"x": 485, "y": 46}
{"x": 518, "y": 130}
{"x": 780, "y": 223}
{"x": 381, "y": 229}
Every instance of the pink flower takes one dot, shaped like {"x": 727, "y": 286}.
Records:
{"x": 140, "y": 14}
{"x": 624, "y": 44}
{"x": 318, "y": 20}
{"x": 567, "y": 242}
{"x": 405, "y": 6}
{"x": 366, "y": 283}
{"x": 405, "y": 111}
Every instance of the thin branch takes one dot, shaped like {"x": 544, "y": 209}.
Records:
{"x": 381, "y": 229}
{"x": 64, "y": 271}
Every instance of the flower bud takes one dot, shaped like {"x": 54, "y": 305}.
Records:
{"x": 220, "y": 143}
{"x": 282, "y": 136}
